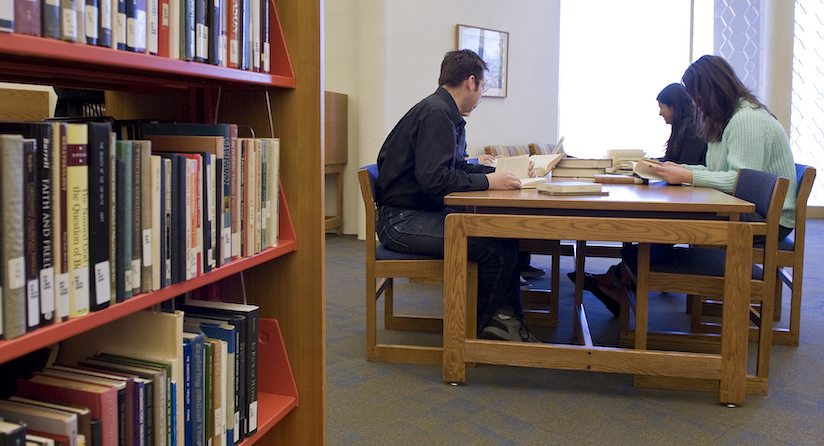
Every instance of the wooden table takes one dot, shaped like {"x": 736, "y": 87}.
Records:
{"x": 630, "y": 213}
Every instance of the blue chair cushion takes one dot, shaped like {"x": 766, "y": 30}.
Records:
{"x": 679, "y": 260}
{"x": 384, "y": 253}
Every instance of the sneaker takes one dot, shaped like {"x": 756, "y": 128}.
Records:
{"x": 504, "y": 327}
{"x": 530, "y": 271}
{"x": 524, "y": 284}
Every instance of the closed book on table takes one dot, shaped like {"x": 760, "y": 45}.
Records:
{"x": 41, "y": 419}
{"x": 77, "y": 179}
{"x": 13, "y": 270}
{"x": 577, "y": 172}
{"x": 100, "y": 399}
{"x": 588, "y": 163}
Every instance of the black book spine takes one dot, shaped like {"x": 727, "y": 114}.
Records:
{"x": 45, "y": 223}
{"x": 163, "y": 223}
{"x": 99, "y": 163}
{"x": 180, "y": 243}
{"x": 208, "y": 251}
{"x": 31, "y": 237}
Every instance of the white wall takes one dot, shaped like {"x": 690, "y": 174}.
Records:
{"x": 386, "y": 54}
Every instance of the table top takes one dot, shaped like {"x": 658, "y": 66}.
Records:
{"x": 655, "y": 197}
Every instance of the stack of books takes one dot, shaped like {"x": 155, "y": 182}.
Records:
{"x": 580, "y": 168}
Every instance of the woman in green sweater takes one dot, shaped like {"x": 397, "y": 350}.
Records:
{"x": 740, "y": 132}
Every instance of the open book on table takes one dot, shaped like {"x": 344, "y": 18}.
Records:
{"x": 641, "y": 168}
{"x": 519, "y": 165}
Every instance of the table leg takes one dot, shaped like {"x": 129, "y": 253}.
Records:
{"x": 454, "y": 300}
{"x": 735, "y": 321}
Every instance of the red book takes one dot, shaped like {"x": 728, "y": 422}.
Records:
{"x": 233, "y": 33}
{"x": 59, "y": 440}
{"x": 165, "y": 15}
{"x": 27, "y": 17}
{"x": 101, "y": 400}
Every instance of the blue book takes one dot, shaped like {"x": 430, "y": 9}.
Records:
{"x": 187, "y": 391}
{"x": 195, "y": 423}
{"x": 119, "y": 25}
{"x": 228, "y": 333}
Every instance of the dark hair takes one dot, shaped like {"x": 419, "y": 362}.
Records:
{"x": 458, "y": 65}
{"x": 675, "y": 97}
{"x": 716, "y": 90}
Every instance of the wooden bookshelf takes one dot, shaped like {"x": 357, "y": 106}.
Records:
{"x": 287, "y": 281}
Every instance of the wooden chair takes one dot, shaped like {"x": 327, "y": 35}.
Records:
{"x": 699, "y": 271}
{"x": 790, "y": 255}
{"x": 382, "y": 267}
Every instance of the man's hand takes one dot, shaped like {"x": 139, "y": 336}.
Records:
{"x": 673, "y": 173}
{"x": 503, "y": 180}
{"x": 486, "y": 160}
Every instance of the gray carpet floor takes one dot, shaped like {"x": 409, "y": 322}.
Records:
{"x": 400, "y": 404}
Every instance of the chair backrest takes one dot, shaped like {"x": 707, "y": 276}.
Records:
{"x": 806, "y": 177}
{"x": 367, "y": 175}
{"x": 507, "y": 150}
{"x": 767, "y": 191}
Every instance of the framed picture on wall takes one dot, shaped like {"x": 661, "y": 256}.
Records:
{"x": 493, "y": 47}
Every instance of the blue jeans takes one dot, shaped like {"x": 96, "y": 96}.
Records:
{"x": 421, "y": 232}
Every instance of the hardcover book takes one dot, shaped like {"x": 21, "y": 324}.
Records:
{"x": 27, "y": 17}
{"x": 41, "y": 419}
{"x": 50, "y": 19}
{"x": 77, "y": 205}
{"x": 124, "y": 220}
{"x": 31, "y": 233}
{"x": 13, "y": 271}
{"x": 99, "y": 230}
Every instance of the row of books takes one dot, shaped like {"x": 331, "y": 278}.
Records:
{"x": 229, "y": 33}
{"x": 89, "y": 220}
{"x": 130, "y": 398}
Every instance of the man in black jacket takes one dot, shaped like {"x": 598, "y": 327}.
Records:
{"x": 420, "y": 162}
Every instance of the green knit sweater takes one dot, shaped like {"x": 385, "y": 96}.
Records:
{"x": 753, "y": 139}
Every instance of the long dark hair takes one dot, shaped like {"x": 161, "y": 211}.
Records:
{"x": 716, "y": 90}
{"x": 675, "y": 97}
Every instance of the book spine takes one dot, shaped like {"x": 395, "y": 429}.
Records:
{"x": 146, "y": 215}
{"x": 258, "y": 195}
{"x": 254, "y": 37}
{"x": 77, "y": 181}
{"x": 113, "y": 197}
{"x": 50, "y": 19}
{"x": 188, "y": 422}
{"x": 45, "y": 224}
{"x": 201, "y": 31}
{"x": 265, "y": 56}
{"x": 80, "y": 20}
{"x": 250, "y": 196}
{"x": 137, "y": 217}
{"x": 214, "y": 16}
{"x": 197, "y": 390}
{"x": 164, "y": 16}
{"x": 104, "y": 27}
{"x": 124, "y": 220}
{"x": 13, "y": 272}
{"x": 31, "y": 234}
{"x": 174, "y": 29}
{"x": 99, "y": 166}
{"x": 153, "y": 27}
{"x": 233, "y": 32}
{"x": 189, "y": 21}
{"x": 119, "y": 22}
{"x": 68, "y": 20}
{"x": 27, "y": 17}
{"x": 208, "y": 205}
{"x": 167, "y": 223}
{"x": 91, "y": 21}
{"x": 274, "y": 187}
{"x": 61, "y": 255}
{"x": 156, "y": 222}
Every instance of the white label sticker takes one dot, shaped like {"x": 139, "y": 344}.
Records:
{"x": 17, "y": 273}
{"x": 147, "y": 247}
{"x": 102, "y": 283}
{"x": 62, "y": 301}
{"x": 81, "y": 288}
{"x": 47, "y": 291}
{"x": 33, "y": 305}
{"x": 136, "y": 274}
